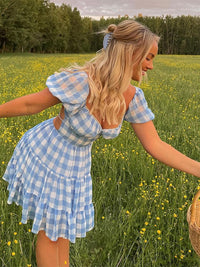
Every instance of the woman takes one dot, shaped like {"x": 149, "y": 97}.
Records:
{"x": 49, "y": 172}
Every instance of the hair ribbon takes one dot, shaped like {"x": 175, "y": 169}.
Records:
{"x": 106, "y": 40}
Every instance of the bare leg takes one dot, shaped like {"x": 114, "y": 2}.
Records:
{"x": 63, "y": 252}
{"x": 52, "y": 253}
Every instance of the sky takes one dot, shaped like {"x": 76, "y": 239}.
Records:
{"x": 114, "y": 8}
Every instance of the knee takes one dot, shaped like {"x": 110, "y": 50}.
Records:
{"x": 42, "y": 238}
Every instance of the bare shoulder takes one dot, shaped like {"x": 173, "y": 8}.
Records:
{"x": 129, "y": 94}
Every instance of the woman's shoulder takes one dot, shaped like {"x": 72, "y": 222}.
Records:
{"x": 129, "y": 94}
{"x": 133, "y": 93}
{"x": 138, "y": 110}
{"x": 68, "y": 76}
{"x": 69, "y": 87}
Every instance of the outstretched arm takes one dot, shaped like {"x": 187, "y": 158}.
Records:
{"x": 162, "y": 151}
{"x": 28, "y": 104}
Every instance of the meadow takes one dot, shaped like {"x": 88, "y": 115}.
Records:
{"x": 140, "y": 204}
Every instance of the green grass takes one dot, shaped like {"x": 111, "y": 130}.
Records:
{"x": 140, "y": 204}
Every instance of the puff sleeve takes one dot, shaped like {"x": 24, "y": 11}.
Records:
{"x": 70, "y": 88}
{"x": 138, "y": 111}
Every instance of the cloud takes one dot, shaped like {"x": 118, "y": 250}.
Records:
{"x": 132, "y": 8}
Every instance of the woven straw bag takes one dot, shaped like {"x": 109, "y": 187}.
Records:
{"x": 193, "y": 218}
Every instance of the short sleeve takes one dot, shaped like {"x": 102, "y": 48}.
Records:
{"x": 138, "y": 111}
{"x": 70, "y": 88}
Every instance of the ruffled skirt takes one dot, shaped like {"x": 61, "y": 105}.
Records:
{"x": 50, "y": 179}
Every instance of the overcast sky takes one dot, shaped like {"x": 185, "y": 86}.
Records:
{"x": 112, "y": 8}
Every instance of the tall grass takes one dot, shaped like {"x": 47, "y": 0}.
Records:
{"x": 140, "y": 204}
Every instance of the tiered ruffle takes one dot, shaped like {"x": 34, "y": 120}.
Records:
{"x": 59, "y": 205}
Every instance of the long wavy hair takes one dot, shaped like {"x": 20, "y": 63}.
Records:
{"x": 110, "y": 72}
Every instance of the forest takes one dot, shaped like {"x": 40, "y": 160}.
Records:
{"x": 43, "y": 27}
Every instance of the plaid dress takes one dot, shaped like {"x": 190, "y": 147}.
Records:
{"x": 49, "y": 172}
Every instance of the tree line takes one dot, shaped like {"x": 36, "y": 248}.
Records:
{"x": 43, "y": 27}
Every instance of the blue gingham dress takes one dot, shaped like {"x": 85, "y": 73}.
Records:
{"x": 49, "y": 172}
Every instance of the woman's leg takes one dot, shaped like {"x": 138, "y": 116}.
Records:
{"x": 52, "y": 253}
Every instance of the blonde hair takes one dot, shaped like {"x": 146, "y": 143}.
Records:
{"x": 110, "y": 72}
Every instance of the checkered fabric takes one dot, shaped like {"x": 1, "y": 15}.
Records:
{"x": 138, "y": 111}
{"x": 50, "y": 179}
{"x": 49, "y": 172}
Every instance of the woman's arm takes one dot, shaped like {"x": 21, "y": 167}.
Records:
{"x": 163, "y": 152}
{"x": 28, "y": 104}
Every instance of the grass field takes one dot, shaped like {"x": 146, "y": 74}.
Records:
{"x": 140, "y": 204}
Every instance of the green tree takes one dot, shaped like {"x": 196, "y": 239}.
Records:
{"x": 76, "y": 32}
{"x": 41, "y": 26}
{"x": 87, "y": 34}
{"x": 64, "y": 28}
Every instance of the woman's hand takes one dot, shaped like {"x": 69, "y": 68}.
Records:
{"x": 162, "y": 151}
